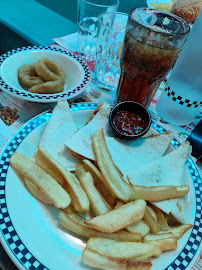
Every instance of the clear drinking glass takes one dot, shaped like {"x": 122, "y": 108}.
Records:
{"x": 87, "y": 20}
{"x": 152, "y": 43}
{"x": 111, "y": 33}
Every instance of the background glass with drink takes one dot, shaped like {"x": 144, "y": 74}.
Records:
{"x": 152, "y": 43}
{"x": 87, "y": 20}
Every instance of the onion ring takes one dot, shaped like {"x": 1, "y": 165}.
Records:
{"x": 28, "y": 76}
{"x": 48, "y": 70}
{"x": 48, "y": 87}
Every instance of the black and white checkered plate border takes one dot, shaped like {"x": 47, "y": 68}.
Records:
{"x": 26, "y": 258}
{"x": 42, "y": 97}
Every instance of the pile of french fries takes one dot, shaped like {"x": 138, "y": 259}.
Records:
{"x": 125, "y": 230}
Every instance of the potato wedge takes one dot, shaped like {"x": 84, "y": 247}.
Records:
{"x": 75, "y": 223}
{"x": 160, "y": 217}
{"x": 111, "y": 176}
{"x": 178, "y": 231}
{"x": 48, "y": 166}
{"x": 70, "y": 209}
{"x": 165, "y": 244}
{"x": 80, "y": 170}
{"x": 152, "y": 212}
{"x": 143, "y": 258}
{"x": 99, "y": 182}
{"x": 159, "y": 193}
{"x": 119, "y": 203}
{"x": 140, "y": 227}
{"x": 120, "y": 218}
{"x": 37, "y": 192}
{"x": 41, "y": 180}
{"x": 150, "y": 220}
{"x": 70, "y": 182}
{"x": 97, "y": 201}
{"x": 94, "y": 259}
{"x": 151, "y": 237}
{"x": 130, "y": 250}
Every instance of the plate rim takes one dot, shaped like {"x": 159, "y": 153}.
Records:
{"x": 46, "y": 98}
{"x": 44, "y": 117}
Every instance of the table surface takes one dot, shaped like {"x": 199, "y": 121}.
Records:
{"x": 27, "y": 110}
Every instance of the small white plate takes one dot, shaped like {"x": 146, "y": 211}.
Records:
{"x": 77, "y": 72}
{"x": 30, "y": 231}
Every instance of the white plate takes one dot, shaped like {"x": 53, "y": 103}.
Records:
{"x": 77, "y": 72}
{"x": 30, "y": 230}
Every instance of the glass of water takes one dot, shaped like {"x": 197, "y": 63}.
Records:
{"x": 87, "y": 20}
{"x": 111, "y": 34}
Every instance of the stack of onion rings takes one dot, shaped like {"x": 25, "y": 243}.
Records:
{"x": 27, "y": 75}
{"x": 50, "y": 87}
{"x": 48, "y": 70}
{"x": 44, "y": 77}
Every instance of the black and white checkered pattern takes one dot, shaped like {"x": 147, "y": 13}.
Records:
{"x": 160, "y": 129}
{"x": 186, "y": 102}
{"x": 7, "y": 229}
{"x": 194, "y": 241}
{"x": 42, "y": 97}
{"x": 27, "y": 258}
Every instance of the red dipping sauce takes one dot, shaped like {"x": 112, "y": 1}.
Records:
{"x": 129, "y": 123}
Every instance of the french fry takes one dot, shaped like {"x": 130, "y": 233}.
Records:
{"x": 130, "y": 250}
{"x": 166, "y": 242}
{"x": 97, "y": 201}
{"x": 153, "y": 237}
{"x": 99, "y": 181}
{"x": 120, "y": 218}
{"x": 41, "y": 180}
{"x": 119, "y": 203}
{"x": 70, "y": 182}
{"x": 160, "y": 217}
{"x": 48, "y": 166}
{"x": 75, "y": 223}
{"x": 150, "y": 220}
{"x": 111, "y": 175}
{"x": 143, "y": 258}
{"x": 70, "y": 209}
{"x": 178, "y": 231}
{"x": 152, "y": 212}
{"x": 94, "y": 259}
{"x": 80, "y": 170}
{"x": 164, "y": 6}
{"x": 37, "y": 192}
{"x": 140, "y": 227}
{"x": 159, "y": 193}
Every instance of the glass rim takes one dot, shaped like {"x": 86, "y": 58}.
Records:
{"x": 164, "y": 12}
{"x": 99, "y": 5}
{"x": 111, "y": 12}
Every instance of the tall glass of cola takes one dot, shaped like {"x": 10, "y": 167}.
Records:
{"x": 152, "y": 43}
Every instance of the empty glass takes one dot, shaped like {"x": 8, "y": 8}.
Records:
{"x": 87, "y": 20}
{"x": 111, "y": 33}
